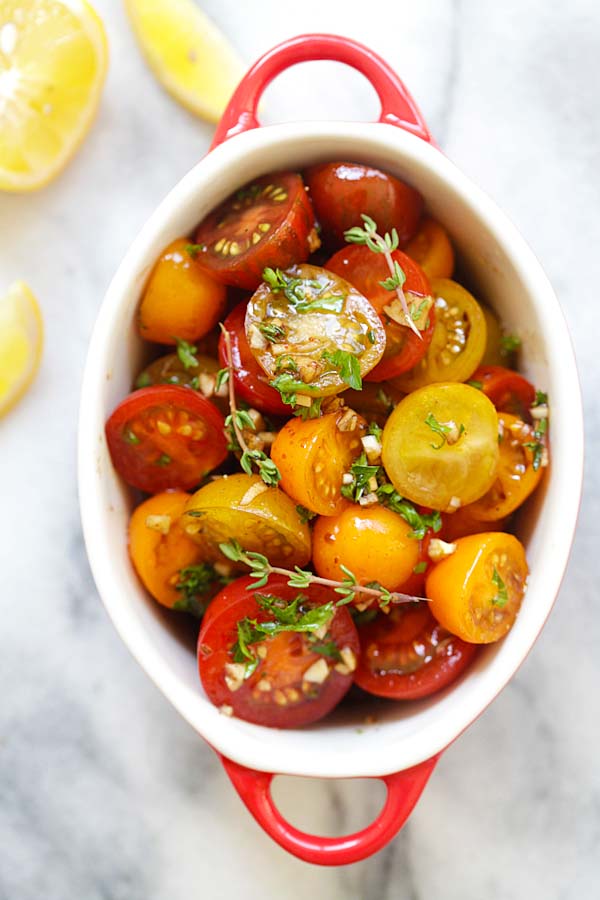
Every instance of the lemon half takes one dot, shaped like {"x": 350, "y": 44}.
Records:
{"x": 21, "y": 341}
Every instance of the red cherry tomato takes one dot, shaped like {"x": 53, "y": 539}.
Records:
{"x": 269, "y": 222}
{"x": 341, "y": 191}
{"x": 508, "y": 391}
{"x": 365, "y": 269}
{"x": 277, "y": 693}
{"x": 406, "y": 654}
{"x": 251, "y": 383}
{"x": 165, "y": 436}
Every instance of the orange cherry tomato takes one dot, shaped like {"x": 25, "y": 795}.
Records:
{"x": 180, "y": 300}
{"x": 476, "y": 592}
{"x": 312, "y": 457}
{"x": 161, "y": 551}
{"x": 516, "y": 478}
{"x": 373, "y": 542}
{"x": 461, "y": 523}
{"x": 508, "y": 391}
{"x": 432, "y": 249}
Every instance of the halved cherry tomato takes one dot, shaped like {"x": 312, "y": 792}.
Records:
{"x": 241, "y": 507}
{"x": 165, "y": 436}
{"x": 269, "y": 222}
{"x": 366, "y": 270}
{"x": 458, "y": 340}
{"x": 406, "y": 654}
{"x": 373, "y": 542}
{"x": 251, "y": 383}
{"x": 508, "y": 391}
{"x": 516, "y": 478}
{"x": 296, "y": 327}
{"x": 278, "y": 692}
{"x": 431, "y": 248}
{"x": 200, "y": 376}
{"x": 313, "y": 455}
{"x": 462, "y": 523}
{"x": 374, "y": 401}
{"x": 440, "y": 445}
{"x": 476, "y": 592}
{"x": 160, "y": 551}
{"x": 342, "y": 191}
{"x": 180, "y": 300}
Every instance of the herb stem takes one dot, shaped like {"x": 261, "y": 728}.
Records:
{"x": 398, "y": 288}
{"x": 239, "y": 435}
{"x": 395, "y": 597}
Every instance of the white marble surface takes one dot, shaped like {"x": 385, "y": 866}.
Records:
{"x": 105, "y": 793}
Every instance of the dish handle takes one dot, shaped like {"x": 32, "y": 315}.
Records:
{"x": 397, "y": 106}
{"x": 403, "y": 790}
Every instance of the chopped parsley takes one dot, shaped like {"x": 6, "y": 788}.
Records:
{"x": 194, "y": 249}
{"x": 501, "y": 597}
{"x": 537, "y": 445}
{"x": 272, "y": 332}
{"x": 196, "y": 585}
{"x": 348, "y": 367}
{"x": 305, "y": 514}
{"x": 509, "y": 344}
{"x": 420, "y": 567}
{"x": 143, "y": 380}
{"x": 362, "y": 473}
{"x": 185, "y": 354}
{"x": 446, "y": 431}
{"x": 476, "y": 384}
{"x": 419, "y": 522}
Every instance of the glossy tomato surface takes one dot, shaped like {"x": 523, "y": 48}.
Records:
{"x": 269, "y": 222}
{"x": 165, "y": 436}
{"x": 366, "y": 270}
{"x": 508, "y": 391}
{"x": 406, "y": 654}
{"x": 278, "y": 692}
{"x": 342, "y": 191}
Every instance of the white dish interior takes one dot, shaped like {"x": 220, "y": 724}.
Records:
{"x": 506, "y": 275}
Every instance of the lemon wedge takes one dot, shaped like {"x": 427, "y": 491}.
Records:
{"x": 53, "y": 59}
{"x": 21, "y": 341}
{"x": 188, "y": 54}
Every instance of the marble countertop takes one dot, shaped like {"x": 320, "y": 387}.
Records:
{"x": 105, "y": 792}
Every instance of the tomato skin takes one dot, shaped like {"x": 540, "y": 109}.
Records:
{"x": 365, "y": 269}
{"x": 251, "y": 383}
{"x": 508, "y": 391}
{"x": 463, "y": 592}
{"x": 312, "y": 457}
{"x": 287, "y": 704}
{"x": 342, "y": 191}
{"x": 391, "y": 660}
{"x": 281, "y": 202}
{"x": 153, "y": 461}
{"x": 431, "y": 248}
{"x": 180, "y": 300}
{"x": 373, "y": 542}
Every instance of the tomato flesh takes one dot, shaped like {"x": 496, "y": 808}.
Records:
{"x": 406, "y": 654}
{"x": 365, "y": 270}
{"x": 269, "y": 222}
{"x": 342, "y": 191}
{"x": 276, "y": 693}
{"x": 165, "y": 436}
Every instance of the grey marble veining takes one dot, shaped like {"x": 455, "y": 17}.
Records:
{"x": 105, "y": 793}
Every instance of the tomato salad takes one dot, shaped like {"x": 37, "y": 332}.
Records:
{"x": 332, "y": 450}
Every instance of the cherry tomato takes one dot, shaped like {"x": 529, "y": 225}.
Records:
{"x": 365, "y": 270}
{"x": 373, "y": 542}
{"x": 262, "y": 519}
{"x": 516, "y": 478}
{"x": 269, "y": 222}
{"x": 374, "y": 401}
{"x": 508, "y": 391}
{"x": 492, "y": 355}
{"x": 161, "y": 551}
{"x": 342, "y": 191}
{"x": 251, "y": 383}
{"x": 440, "y": 446}
{"x": 180, "y": 300}
{"x": 164, "y": 437}
{"x": 199, "y": 376}
{"x": 293, "y": 684}
{"x": 296, "y": 326}
{"x": 313, "y": 455}
{"x": 476, "y": 592}
{"x": 458, "y": 340}
{"x": 431, "y": 248}
{"x": 462, "y": 523}
{"x": 406, "y": 654}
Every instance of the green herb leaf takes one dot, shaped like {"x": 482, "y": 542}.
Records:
{"x": 362, "y": 472}
{"x": 163, "y": 460}
{"x": 130, "y": 436}
{"x": 376, "y": 430}
{"x": 396, "y": 280}
{"x": 509, "y": 343}
{"x": 272, "y": 332}
{"x": 143, "y": 380}
{"x": 443, "y": 429}
{"x": 330, "y": 649}
{"x": 476, "y": 384}
{"x": 185, "y": 353}
{"x": 420, "y": 567}
{"x": 194, "y": 249}
{"x": 221, "y": 378}
{"x": 348, "y": 367}
{"x": 197, "y": 585}
{"x": 420, "y": 523}
{"x": 501, "y": 598}
{"x": 305, "y": 514}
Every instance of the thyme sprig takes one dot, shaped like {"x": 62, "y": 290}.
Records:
{"x": 238, "y": 419}
{"x": 538, "y": 444}
{"x": 369, "y": 237}
{"x": 261, "y": 568}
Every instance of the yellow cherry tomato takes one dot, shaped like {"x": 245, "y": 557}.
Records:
{"x": 493, "y": 348}
{"x": 242, "y": 508}
{"x": 458, "y": 341}
{"x": 373, "y": 542}
{"x": 476, "y": 592}
{"x": 432, "y": 249}
{"x": 180, "y": 300}
{"x": 312, "y": 457}
{"x": 440, "y": 446}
